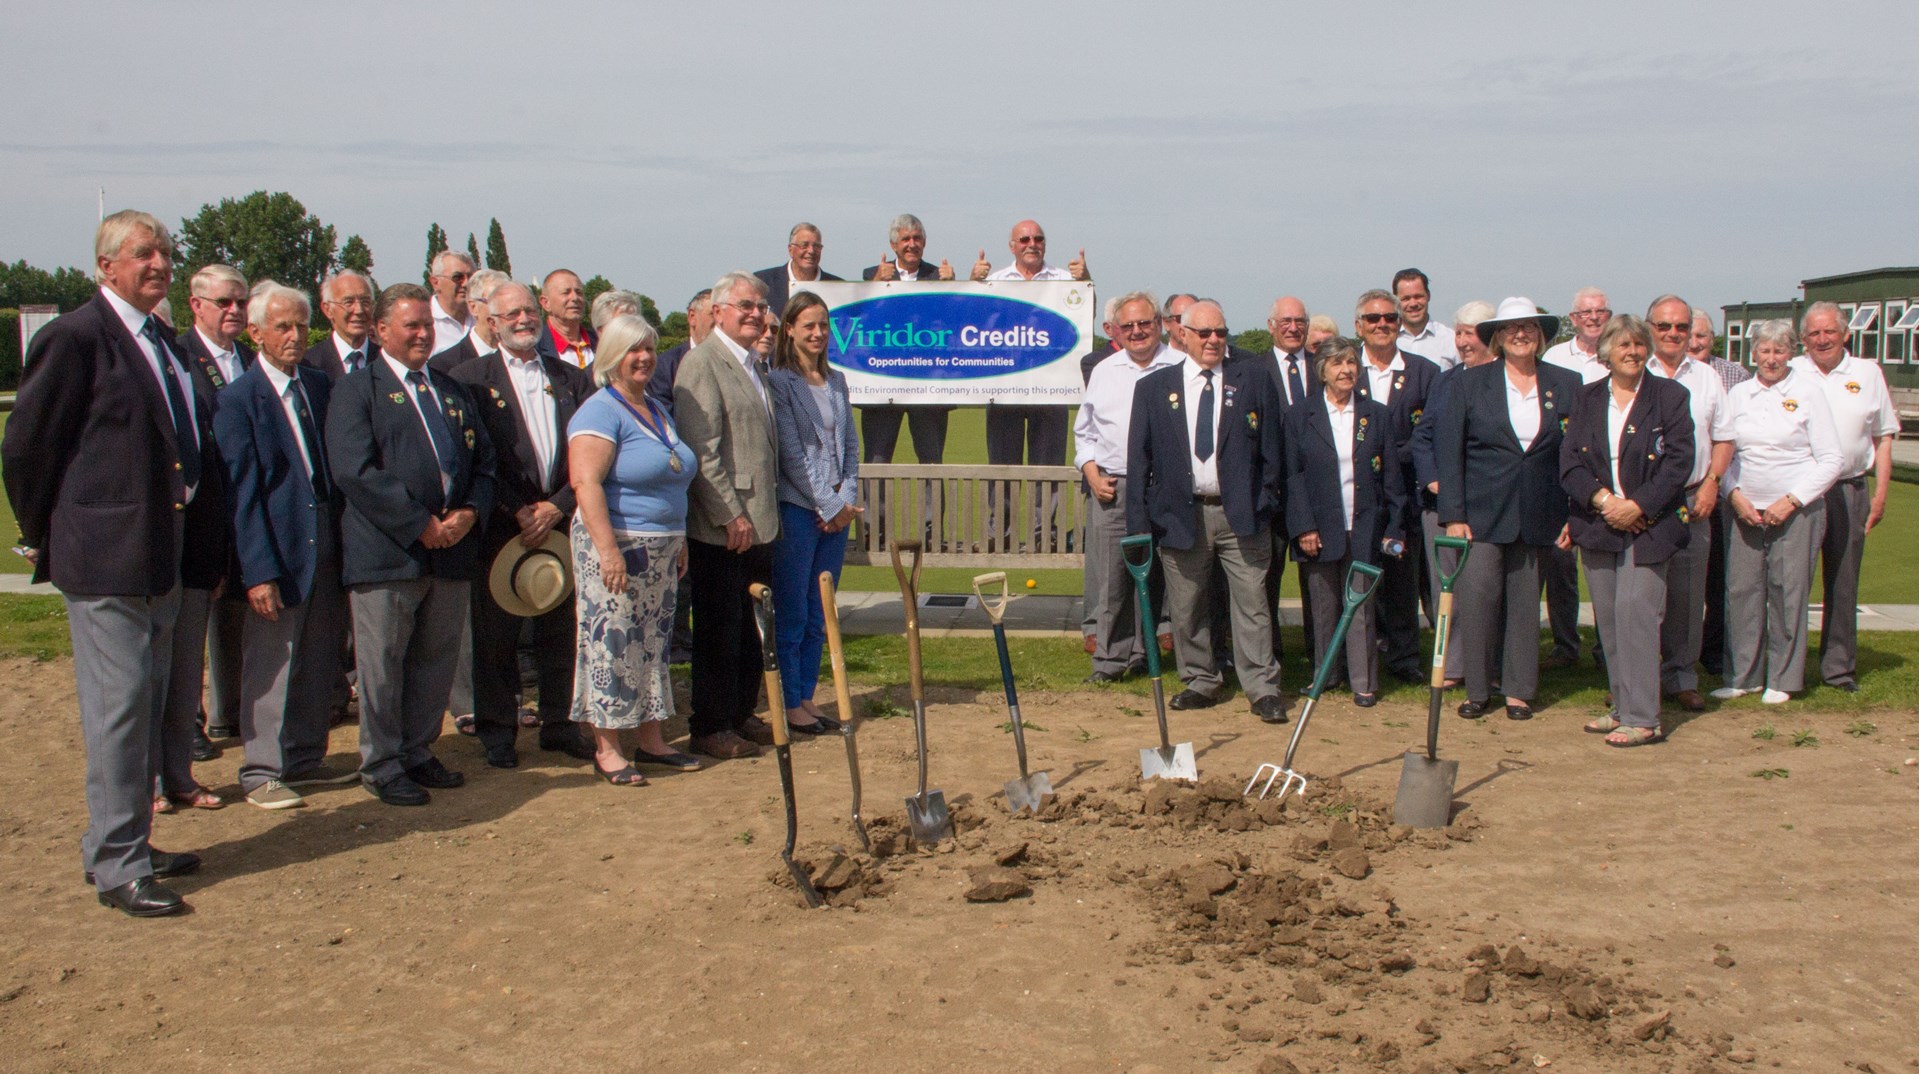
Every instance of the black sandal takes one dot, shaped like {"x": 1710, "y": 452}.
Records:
{"x": 628, "y": 776}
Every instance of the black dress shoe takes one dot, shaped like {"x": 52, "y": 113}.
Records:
{"x": 1271, "y": 709}
{"x": 431, "y": 773}
{"x": 145, "y": 897}
{"x": 1472, "y": 710}
{"x": 164, "y": 864}
{"x": 1192, "y": 699}
{"x": 1519, "y": 712}
{"x": 1846, "y": 687}
{"x": 400, "y": 791}
{"x": 503, "y": 755}
{"x": 1103, "y": 676}
{"x": 566, "y": 739}
{"x": 821, "y": 725}
{"x": 203, "y": 747}
{"x": 1365, "y": 701}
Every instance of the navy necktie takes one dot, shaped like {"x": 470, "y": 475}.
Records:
{"x": 311, "y": 438}
{"x": 352, "y": 362}
{"x": 436, "y": 422}
{"x": 1203, "y": 426}
{"x": 1296, "y": 387}
{"x": 186, "y": 438}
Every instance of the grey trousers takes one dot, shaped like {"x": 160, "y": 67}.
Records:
{"x": 226, "y": 628}
{"x": 404, "y": 634}
{"x": 1686, "y": 611}
{"x": 1769, "y": 574}
{"x": 187, "y": 656}
{"x": 1560, "y": 571}
{"x": 1629, "y": 602}
{"x": 286, "y": 687}
{"x": 1093, "y": 569}
{"x": 1498, "y": 595}
{"x": 1245, "y": 561}
{"x": 460, "y": 697}
{"x": 1328, "y": 584}
{"x": 121, "y": 661}
{"x": 1110, "y": 589}
{"x": 1841, "y": 546}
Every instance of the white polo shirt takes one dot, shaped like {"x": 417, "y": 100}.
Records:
{"x": 1784, "y": 440}
{"x": 1862, "y": 408}
{"x": 1047, "y": 272}
{"x": 447, "y": 330}
{"x": 1707, "y": 401}
{"x": 1569, "y": 356}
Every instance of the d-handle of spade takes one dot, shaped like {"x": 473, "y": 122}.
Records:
{"x": 996, "y": 612}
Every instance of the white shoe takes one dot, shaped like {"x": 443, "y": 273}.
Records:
{"x": 1728, "y": 693}
{"x": 1770, "y": 696}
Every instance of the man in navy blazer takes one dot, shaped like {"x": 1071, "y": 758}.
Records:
{"x": 347, "y": 299}
{"x": 803, "y": 266}
{"x": 526, "y": 400}
{"x": 116, "y": 486}
{"x": 286, "y": 536}
{"x": 415, "y": 467}
{"x": 1398, "y": 380}
{"x": 1204, "y": 466}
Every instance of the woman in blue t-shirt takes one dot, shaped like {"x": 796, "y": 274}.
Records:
{"x": 819, "y": 461}
{"x": 630, "y": 477}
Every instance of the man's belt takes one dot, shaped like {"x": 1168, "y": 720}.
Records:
{"x": 1207, "y": 501}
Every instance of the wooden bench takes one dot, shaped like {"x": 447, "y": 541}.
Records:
{"x": 961, "y": 512}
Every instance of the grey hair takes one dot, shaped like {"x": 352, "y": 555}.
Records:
{"x": 610, "y": 304}
{"x": 1474, "y": 312}
{"x": 1112, "y": 307}
{"x": 1587, "y": 292}
{"x": 903, "y": 223}
{"x": 1822, "y": 307}
{"x": 1778, "y": 331}
{"x": 1697, "y": 314}
{"x": 1666, "y": 298}
{"x": 270, "y": 291}
{"x": 1129, "y": 299}
{"x": 794, "y": 231}
{"x": 1624, "y": 325}
{"x": 699, "y": 298}
{"x": 115, "y": 230}
{"x": 1166, "y": 311}
{"x": 326, "y": 288}
{"x": 500, "y": 290}
{"x": 203, "y": 281}
{"x": 621, "y": 335}
{"x": 1374, "y": 294}
{"x": 1324, "y": 322}
{"x": 1332, "y": 350}
{"x": 440, "y": 259}
{"x": 724, "y": 286}
{"x": 482, "y": 284}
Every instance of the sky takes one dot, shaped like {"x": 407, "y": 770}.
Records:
{"x": 1724, "y": 151}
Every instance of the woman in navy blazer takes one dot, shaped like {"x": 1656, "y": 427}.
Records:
{"x": 1328, "y": 535}
{"x": 1498, "y": 452}
{"x": 1624, "y": 462}
{"x": 818, "y": 493}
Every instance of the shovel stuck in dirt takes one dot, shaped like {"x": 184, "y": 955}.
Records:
{"x": 1425, "y": 798}
{"x": 1024, "y": 791}
{"x": 1168, "y": 761}
{"x": 770, "y": 660}
{"x": 927, "y": 813}
{"x": 830, "y": 606}
{"x": 1290, "y": 780}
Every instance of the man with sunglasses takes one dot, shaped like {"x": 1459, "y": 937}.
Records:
{"x": 1418, "y": 334}
{"x": 448, "y": 276}
{"x": 1397, "y": 379}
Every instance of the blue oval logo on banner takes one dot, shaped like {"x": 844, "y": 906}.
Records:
{"x": 947, "y": 336}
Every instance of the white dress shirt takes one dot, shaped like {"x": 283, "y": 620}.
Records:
{"x": 1206, "y": 472}
{"x": 413, "y": 395}
{"x": 1300, "y": 360}
{"x": 1380, "y": 381}
{"x": 1707, "y": 400}
{"x": 1341, "y": 418}
{"x": 1047, "y": 272}
{"x": 536, "y": 408}
{"x": 1570, "y": 356}
{"x": 347, "y": 350}
{"x": 1433, "y": 342}
{"x": 227, "y": 360}
{"x": 1106, "y": 411}
{"x": 287, "y": 389}
{"x": 1784, "y": 440}
{"x": 447, "y": 329}
{"x": 136, "y": 323}
{"x": 1523, "y": 411}
{"x": 1862, "y": 408}
{"x": 1616, "y": 425}
{"x": 748, "y": 360}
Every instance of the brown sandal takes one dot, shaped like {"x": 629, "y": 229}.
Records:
{"x": 1624, "y": 737}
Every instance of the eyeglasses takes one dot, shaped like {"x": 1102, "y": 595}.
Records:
{"x": 223, "y": 303}
{"x": 457, "y": 277}
{"x": 746, "y": 306}
{"x": 1294, "y": 321}
{"x": 1135, "y": 327}
{"x": 1380, "y": 318}
{"x": 354, "y": 303}
{"x": 526, "y": 312}
{"x": 1673, "y": 326}
{"x": 806, "y": 246}
{"x": 1209, "y": 333}
{"x": 1601, "y": 312}
{"x": 1029, "y": 240}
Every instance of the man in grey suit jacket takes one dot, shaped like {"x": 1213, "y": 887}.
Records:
{"x": 724, "y": 413}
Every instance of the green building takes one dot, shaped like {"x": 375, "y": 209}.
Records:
{"x": 1882, "y": 307}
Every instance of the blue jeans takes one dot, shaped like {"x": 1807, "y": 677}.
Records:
{"x": 799, "y": 622}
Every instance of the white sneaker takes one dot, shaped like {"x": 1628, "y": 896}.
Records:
{"x": 1770, "y": 696}
{"x": 1728, "y": 693}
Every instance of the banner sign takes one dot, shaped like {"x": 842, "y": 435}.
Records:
{"x": 1003, "y": 342}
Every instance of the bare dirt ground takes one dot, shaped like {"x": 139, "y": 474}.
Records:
{"x": 1659, "y": 909}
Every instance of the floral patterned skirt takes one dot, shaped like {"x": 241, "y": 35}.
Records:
{"x": 620, "y": 677}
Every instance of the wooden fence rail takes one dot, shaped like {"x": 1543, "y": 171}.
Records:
{"x": 962, "y": 513}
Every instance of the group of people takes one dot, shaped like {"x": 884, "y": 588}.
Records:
{"x": 1699, "y": 495}
{"x": 305, "y": 522}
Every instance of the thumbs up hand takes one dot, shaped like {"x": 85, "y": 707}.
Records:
{"x": 981, "y": 266}
{"x": 946, "y": 270}
{"x": 885, "y": 271}
{"x": 1077, "y": 268}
